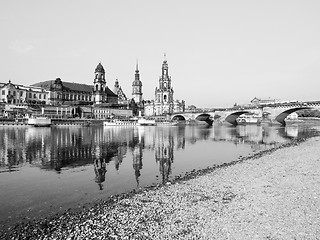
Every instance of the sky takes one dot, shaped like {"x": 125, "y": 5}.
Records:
{"x": 219, "y": 52}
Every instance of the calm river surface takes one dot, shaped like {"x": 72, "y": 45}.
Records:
{"x": 48, "y": 170}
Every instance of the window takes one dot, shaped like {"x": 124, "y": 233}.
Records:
{"x": 34, "y": 95}
{"x": 14, "y": 93}
{"x": 44, "y": 96}
{"x": 21, "y": 94}
{"x": 3, "y": 92}
{"x": 39, "y": 96}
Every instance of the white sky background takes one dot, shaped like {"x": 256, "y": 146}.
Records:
{"x": 219, "y": 52}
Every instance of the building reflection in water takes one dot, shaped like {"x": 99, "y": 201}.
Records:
{"x": 164, "y": 144}
{"x": 100, "y": 171}
{"x": 61, "y": 148}
{"x": 137, "y": 153}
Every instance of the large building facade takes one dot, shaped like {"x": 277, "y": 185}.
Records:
{"x": 80, "y": 94}
{"x": 65, "y": 99}
{"x": 164, "y": 102}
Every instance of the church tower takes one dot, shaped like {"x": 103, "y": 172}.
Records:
{"x": 164, "y": 93}
{"x": 137, "y": 87}
{"x": 99, "y": 85}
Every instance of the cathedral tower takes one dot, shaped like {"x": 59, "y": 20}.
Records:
{"x": 137, "y": 87}
{"x": 164, "y": 93}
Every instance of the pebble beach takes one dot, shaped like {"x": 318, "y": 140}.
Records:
{"x": 273, "y": 194}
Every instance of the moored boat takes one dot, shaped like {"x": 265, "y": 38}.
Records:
{"x": 166, "y": 123}
{"x": 139, "y": 122}
{"x": 39, "y": 121}
{"x": 146, "y": 122}
{"x": 120, "y": 122}
{"x": 246, "y": 119}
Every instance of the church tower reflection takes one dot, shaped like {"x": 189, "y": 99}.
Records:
{"x": 164, "y": 145}
{"x": 138, "y": 153}
{"x": 100, "y": 171}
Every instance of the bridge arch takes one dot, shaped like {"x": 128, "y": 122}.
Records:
{"x": 233, "y": 116}
{"x": 282, "y": 116}
{"x": 205, "y": 117}
{"x": 178, "y": 117}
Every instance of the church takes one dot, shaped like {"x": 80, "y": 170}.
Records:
{"x": 164, "y": 102}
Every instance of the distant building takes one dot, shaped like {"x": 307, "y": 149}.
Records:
{"x": 191, "y": 108}
{"x": 149, "y": 108}
{"x": 21, "y": 95}
{"x": 259, "y": 101}
{"x": 164, "y": 102}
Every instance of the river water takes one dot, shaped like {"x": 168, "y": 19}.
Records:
{"x": 48, "y": 170}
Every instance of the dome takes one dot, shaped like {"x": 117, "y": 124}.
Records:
{"x": 137, "y": 83}
{"x": 100, "y": 68}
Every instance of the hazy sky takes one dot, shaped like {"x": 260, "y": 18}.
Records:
{"x": 219, "y": 52}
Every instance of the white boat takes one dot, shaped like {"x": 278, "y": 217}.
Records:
{"x": 248, "y": 119}
{"x": 39, "y": 121}
{"x": 130, "y": 122}
{"x": 146, "y": 122}
{"x": 166, "y": 123}
{"x": 120, "y": 122}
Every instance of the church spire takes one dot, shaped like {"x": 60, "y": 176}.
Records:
{"x": 165, "y": 66}
{"x": 137, "y": 86}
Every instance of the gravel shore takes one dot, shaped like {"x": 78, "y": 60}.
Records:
{"x": 271, "y": 195}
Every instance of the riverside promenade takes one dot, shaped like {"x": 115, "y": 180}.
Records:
{"x": 270, "y": 195}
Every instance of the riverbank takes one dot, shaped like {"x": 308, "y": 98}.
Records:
{"x": 270, "y": 195}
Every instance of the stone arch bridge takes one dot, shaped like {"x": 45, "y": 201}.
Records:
{"x": 194, "y": 117}
{"x": 275, "y": 113}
